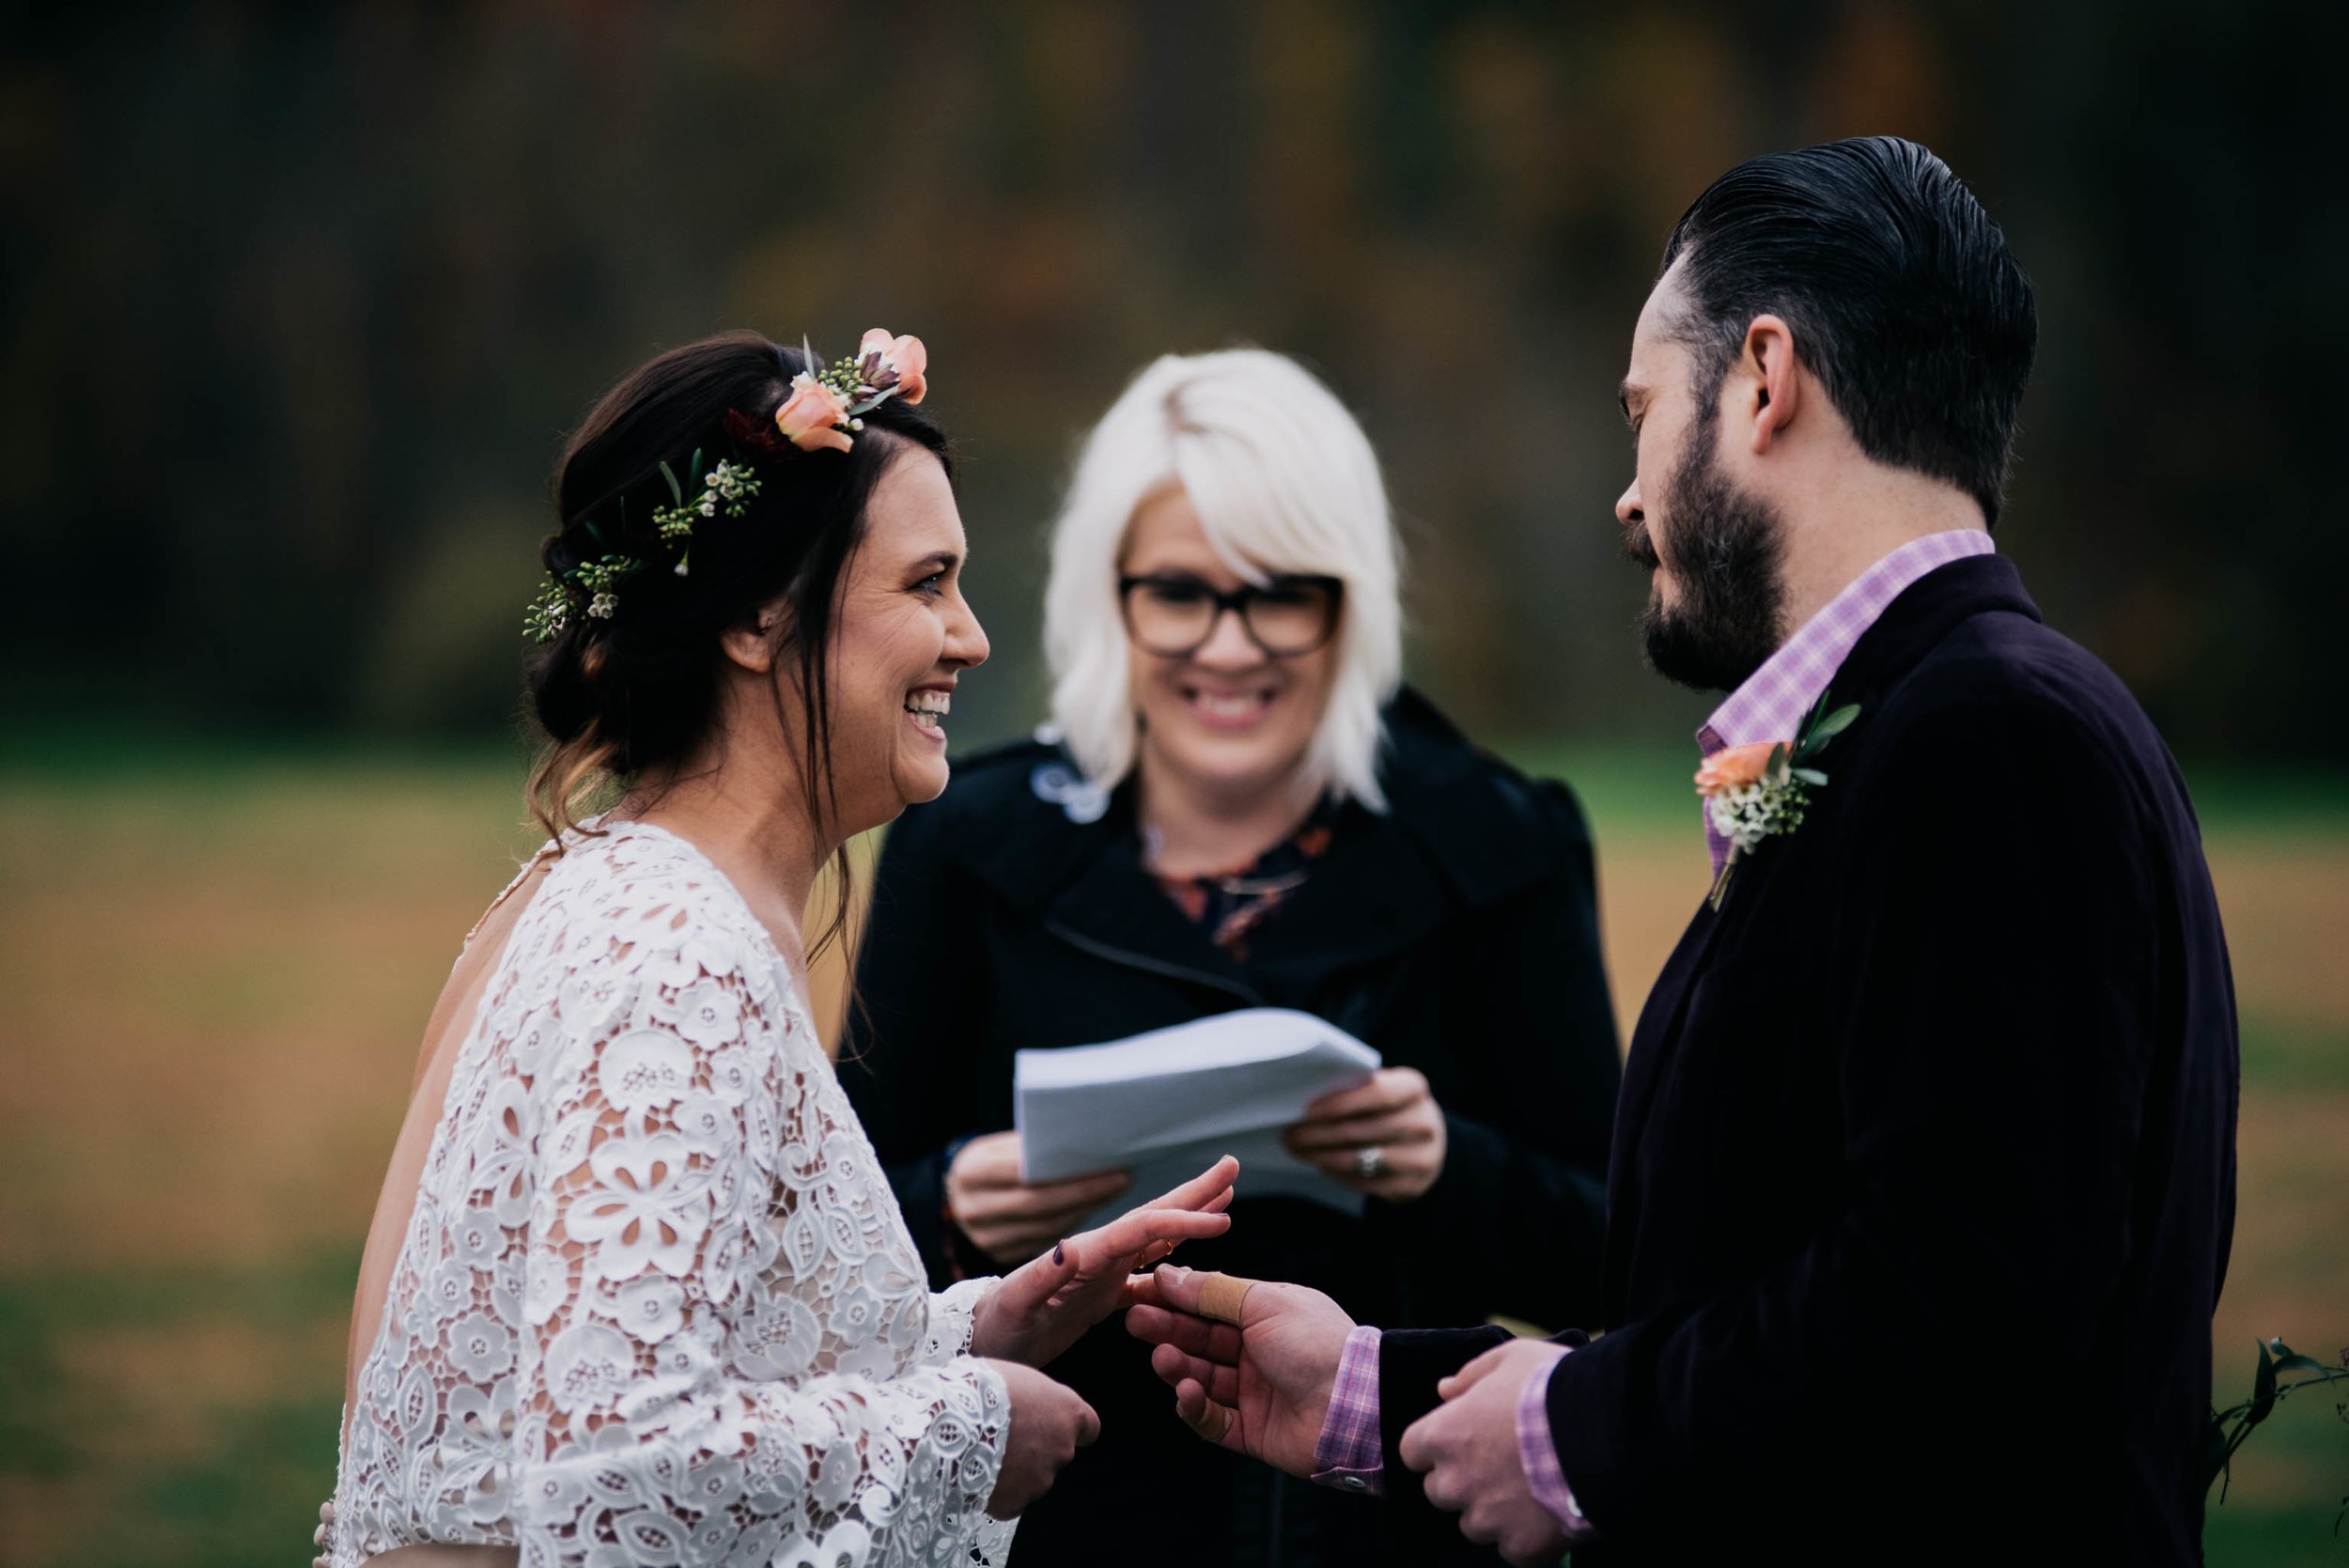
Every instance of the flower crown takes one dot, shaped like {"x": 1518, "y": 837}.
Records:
{"x": 825, "y": 411}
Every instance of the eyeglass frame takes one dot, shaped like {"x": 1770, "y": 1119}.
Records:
{"x": 1233, "y": 602}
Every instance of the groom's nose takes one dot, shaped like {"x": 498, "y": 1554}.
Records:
{"x": 1627, "y": 508}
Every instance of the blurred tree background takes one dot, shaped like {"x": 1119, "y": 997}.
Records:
{"x": 296, "y": 303}
{"x": 299, "y": 301}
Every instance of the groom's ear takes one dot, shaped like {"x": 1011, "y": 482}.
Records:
{"x": 1771, "y": 377}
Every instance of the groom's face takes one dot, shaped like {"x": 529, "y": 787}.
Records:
{"x": 1713, "y": 550}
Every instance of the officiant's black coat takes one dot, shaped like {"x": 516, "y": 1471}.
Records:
{"x": 1456, "y": 933}
{"x": 1923, "y": 1177}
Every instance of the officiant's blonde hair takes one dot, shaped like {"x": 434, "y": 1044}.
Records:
{"x": 1284, "y": 480}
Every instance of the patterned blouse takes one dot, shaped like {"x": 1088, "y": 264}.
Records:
{"x": 1229, "y": 905}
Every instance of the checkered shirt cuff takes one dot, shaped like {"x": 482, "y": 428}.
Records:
{"x": 1539, "y": 1455}
{"x": 1346, "y": 1455}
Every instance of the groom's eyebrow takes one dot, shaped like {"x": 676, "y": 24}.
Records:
{"x": 1625, "y": 394}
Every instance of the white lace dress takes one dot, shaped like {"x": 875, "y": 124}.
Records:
{"x": 657, "y": 1303}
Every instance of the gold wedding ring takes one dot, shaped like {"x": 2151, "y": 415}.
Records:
{"x": 1221, "y": 1297}
{"x": 1213, "y": 1422}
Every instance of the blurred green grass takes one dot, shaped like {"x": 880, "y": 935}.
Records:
{"x": 220, "y": 955}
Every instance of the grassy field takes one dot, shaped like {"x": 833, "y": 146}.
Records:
{"x": 216, "y": 967}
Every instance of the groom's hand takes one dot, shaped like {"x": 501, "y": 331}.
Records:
{"x": 1467, "y": 1449}
{"x": 1259, "y": 1388}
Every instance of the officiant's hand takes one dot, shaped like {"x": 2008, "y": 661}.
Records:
{"x": 1043, "y": 1307}
{"x": 1010, "y": 1220}
{"x": 1395, "y": 1115}
{"x": 1466, "y": 1447}
{"x": 1261, "y": 1388}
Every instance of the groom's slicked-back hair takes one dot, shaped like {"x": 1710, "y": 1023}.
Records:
{"x": 1900, "y": 291}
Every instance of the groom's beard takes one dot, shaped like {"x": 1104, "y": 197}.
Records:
{"x": 1728, "y": 547}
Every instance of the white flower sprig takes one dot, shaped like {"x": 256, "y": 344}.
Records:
{"x": 1760, "y": 791}
{"x": 593, "y": 586}
{"x": 727, "y": 488}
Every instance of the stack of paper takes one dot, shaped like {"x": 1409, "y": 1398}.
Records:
{"x": 1165, "y": 1105}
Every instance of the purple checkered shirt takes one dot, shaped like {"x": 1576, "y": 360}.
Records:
{"x": 1771, "y": 703}
{"x": 1347, "y": 1454}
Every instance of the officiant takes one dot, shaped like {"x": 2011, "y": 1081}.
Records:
{"x": 1238, "y": 804}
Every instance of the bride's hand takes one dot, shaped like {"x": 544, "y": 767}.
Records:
{"x": 1043, "y": 1307}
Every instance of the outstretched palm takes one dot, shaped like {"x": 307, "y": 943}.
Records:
{"x": 1045, "y": 1306}
{"x": 1271, "y": 1374}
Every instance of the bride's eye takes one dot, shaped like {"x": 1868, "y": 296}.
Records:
{"x": 933, "y": 586}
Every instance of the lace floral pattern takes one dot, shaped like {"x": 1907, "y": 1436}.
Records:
{"x": 657, "y": 1303}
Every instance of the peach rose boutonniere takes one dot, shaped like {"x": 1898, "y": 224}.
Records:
{"x": 1760, "y": 791}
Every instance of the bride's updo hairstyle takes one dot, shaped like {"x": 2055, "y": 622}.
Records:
{"x": 635, "y": 690}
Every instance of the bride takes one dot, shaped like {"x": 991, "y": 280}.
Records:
{"x": 636, "y": 1291}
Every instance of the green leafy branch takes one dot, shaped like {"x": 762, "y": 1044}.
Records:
{"x": 2282, "y": 1370}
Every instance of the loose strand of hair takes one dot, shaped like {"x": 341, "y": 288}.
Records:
{"x": 565, "y": 779}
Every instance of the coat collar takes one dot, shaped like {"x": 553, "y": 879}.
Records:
{"x": 1445, "y": 844}
{"x": 1028, "y": 845}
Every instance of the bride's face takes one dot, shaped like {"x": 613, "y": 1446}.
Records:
{"x": 902, "y": 635}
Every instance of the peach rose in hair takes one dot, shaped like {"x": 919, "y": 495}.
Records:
{"x": 1736, "y": 768}
{"x": 808, "y": 415}
{"x": 901, "y": 359}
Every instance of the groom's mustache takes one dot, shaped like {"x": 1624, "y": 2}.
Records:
{"x": 1637, "y": 546}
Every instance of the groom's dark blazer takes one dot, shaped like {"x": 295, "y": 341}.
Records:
{"x": 1923, "y": 1175}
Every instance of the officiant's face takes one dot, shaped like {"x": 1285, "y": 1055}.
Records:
{"x": 1227, "y": 716}
{"x": 1712, "y": 549}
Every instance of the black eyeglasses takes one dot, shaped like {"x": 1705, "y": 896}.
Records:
{"x": 1173, "y": 614}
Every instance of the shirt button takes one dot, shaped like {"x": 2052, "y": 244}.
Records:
{"x": 1355, "y": 1483}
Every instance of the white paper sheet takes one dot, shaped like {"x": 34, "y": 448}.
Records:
{"x": 1166, "y": 1104}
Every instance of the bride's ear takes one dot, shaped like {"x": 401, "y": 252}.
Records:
{"x": 752, "y": 644}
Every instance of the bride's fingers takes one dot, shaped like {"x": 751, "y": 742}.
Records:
{"x": 1218, "y": 1177}
{"x": 1133, "y": 1232}
{"x": 1029, "y": 1287}
{"x": 1152, "y": 1255}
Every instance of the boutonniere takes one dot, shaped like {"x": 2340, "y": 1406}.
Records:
{"x": 1759, "y": 790}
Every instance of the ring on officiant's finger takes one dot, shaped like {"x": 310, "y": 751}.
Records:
{"x": 1221, "y": 1297}
{"x": 1370, "y": 1162}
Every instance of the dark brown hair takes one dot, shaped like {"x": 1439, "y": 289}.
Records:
{"x": 638, "y": 690}
{"x": 1902, "y": 294}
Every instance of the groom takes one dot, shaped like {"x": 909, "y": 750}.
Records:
{"x": 1923, "y": 1173}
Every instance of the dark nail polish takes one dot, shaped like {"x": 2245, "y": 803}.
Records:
{"x": 1059, "y": 1254}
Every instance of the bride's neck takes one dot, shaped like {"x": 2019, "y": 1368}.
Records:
{"x": 753, "y": 824}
